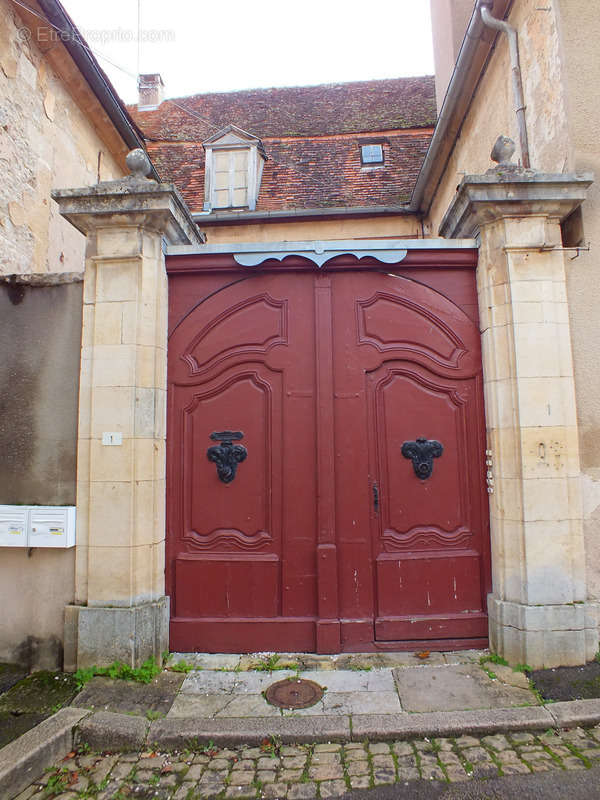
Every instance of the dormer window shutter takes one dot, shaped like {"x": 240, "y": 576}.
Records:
{"x": 230, "y": 178}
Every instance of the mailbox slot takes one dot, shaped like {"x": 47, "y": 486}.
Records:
{"x": 13, "y": 526}
{"x": 37, "y": 526}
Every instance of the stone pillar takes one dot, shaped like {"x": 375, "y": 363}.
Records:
{"x": 120, "y": 611}
{"x": 539, "y": 613}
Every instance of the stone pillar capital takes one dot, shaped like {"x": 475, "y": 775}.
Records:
{"x": 482, "y": 199}
{"x": 130, "y": 202}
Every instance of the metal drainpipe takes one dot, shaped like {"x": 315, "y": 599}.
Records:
{"x": 504, "y": 27}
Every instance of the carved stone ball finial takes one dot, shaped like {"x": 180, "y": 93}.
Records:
{"x": 503, "y": 150}
{"x": 138, "y": 163}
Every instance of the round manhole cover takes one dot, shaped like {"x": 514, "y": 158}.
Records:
{"x": 294, "y": 693}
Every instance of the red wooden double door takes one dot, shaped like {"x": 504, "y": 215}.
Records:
{"x": 326, "y": 459}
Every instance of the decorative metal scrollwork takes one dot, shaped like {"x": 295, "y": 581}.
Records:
{"x": 422, "y": 452}
{"x": 227, "y": 455}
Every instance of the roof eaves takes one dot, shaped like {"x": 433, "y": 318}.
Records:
{"x": 239, "y": 217}
{"x": 94, "y": 75}
{"x": 470, "y": 66}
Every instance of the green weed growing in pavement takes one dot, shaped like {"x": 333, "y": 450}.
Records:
{"x": 271, "y": 745}
{"x": 208, "y": 748}
{"x": 597, "y": 657}
{"x": 237, "y": 668}
{"x": 268, "y": 663}
{"x": 152, "y": 715}
{"x": 538, "y": 696}
{"x": 58, "y": 782}
{"x": 490, "y": 673}
{"x": 522, "y": 668}
{"x": 144, "y": 674}
{"x": 183, "y": 666}
{"x": 360, "y": 668}
{"x": 493, "y": 658}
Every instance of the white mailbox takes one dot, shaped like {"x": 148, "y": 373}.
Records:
{"x": 37, "y": 526}
{"x": 13, "y": 526}
{"x": 52, "y": 526}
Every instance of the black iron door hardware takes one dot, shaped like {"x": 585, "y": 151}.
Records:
{"x": 227, "y": 455}
{"x": 376, "y": 498}
{"x": 422, "y": 452}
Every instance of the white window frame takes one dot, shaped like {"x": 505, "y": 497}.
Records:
{"x": 231, "y": 185}
{"x": 255, "y": 165}
{"x": 371, "y": 162}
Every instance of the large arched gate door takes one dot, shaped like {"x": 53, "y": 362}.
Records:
{"x": 326, "y": 455}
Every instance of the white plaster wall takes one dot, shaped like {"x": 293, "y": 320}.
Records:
{"x": 405, "y": 226}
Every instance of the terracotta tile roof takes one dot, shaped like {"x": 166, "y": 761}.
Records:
{"x": 307, "y": 173}
{"x": 296, "y": 111}
{"x": 312, "y": 137}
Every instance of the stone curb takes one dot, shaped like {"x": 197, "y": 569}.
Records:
{"x": 108, "y": 731}
{"x": 25, "y": 759}
{"x": 570, "y": 714}
{"x": 173, "y": 734}
{"x": 451, "y": 723}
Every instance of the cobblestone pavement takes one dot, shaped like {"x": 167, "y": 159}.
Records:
{"x": 301, "y": 772}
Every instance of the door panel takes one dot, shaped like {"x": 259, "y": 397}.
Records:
{"x": 243, "y": 552}
{"x": 411, "y": 358}
{"x": 406, "y": 401}
{"x": 244, "y": 515}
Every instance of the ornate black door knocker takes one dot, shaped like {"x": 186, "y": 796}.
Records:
{"x": 227, "y": 455}
{"x": 422, "y": 452}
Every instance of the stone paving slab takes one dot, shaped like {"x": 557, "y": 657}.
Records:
{"x": 380, "y": 680}
{"x": 130, "y": 697}
{"x": 314, "y": 661}
{"x": 249, "y": 705}
{"x": 361, "y": 703}
{"x": 206, "y": 660}
{"x": 253, "y": 705}
{"x": 209, "y": 682}
{"x": 198, "y": 705}
{"x": 228, "y": 694}
{"x": 456, "y": 688}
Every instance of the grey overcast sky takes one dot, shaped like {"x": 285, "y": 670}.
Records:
{"x": 221, "y": 46}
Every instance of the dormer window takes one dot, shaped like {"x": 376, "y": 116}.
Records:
{"x": 234, "y": 165}
{"x": 371, "y": 154}
{"x": 230, "y": 188}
